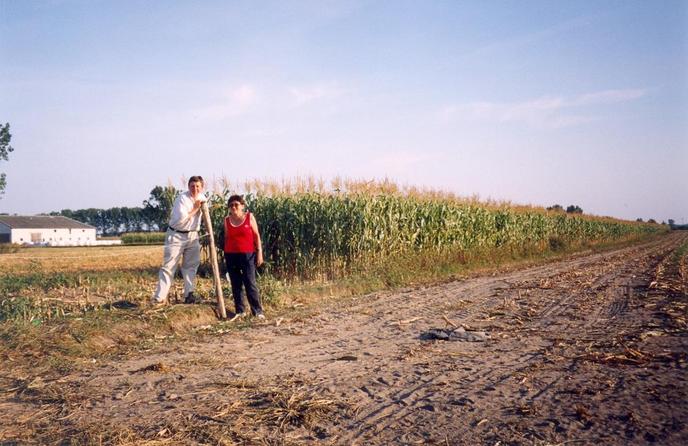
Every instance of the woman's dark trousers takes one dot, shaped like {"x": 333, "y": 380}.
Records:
{"x": 242, "y": 274}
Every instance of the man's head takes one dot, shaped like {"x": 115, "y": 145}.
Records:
{"x": 196, "y": 185}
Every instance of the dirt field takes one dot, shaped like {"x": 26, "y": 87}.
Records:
{"x": 590, "y": 350}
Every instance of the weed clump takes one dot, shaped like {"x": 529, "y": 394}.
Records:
{"x": 557, "y": 244}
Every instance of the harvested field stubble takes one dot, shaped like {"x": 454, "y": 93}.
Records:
{"x": 254, "y": 413}
{"x": 587, "y": 350}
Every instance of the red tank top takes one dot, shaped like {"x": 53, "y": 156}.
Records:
{"x": 239, "y": 239}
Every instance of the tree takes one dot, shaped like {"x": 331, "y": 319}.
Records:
{"x": 574, "y": 209}
{"x": 113, "y": 221}
{"x": 556, "y": 208}
{"x": 158, "y": 207}
{"x": 5, "y": 149}
{"x": 639, "y": 220}
{"x": 652, "y": 220}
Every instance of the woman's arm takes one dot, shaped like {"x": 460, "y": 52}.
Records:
{"x": 258, "y": 242}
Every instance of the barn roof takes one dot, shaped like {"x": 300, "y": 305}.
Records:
{"x": 42, "y": 222}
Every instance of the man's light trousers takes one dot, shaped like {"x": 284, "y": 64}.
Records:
{"x": 178, "y": 245}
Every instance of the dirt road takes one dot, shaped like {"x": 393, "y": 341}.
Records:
{"x": 587, "y": 350}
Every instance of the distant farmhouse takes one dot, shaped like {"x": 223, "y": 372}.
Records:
{"x": 45, "y": 231}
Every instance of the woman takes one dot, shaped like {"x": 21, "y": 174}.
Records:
{"x": 243, "y": 253}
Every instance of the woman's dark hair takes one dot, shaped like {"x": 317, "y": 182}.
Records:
{"x": 238, "y": 198}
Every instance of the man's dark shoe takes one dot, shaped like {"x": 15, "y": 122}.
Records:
{"x": 190, "y": 298}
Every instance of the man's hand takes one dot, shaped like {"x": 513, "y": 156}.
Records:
{"x": 259, "y": 258}
{"x": 197, "y": 206}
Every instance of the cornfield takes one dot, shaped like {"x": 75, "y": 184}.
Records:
{"x": 313, "y": 235}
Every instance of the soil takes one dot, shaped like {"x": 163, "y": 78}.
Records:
{"x": 591, "y": 349}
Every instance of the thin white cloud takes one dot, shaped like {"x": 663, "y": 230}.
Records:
{"x": 243, "y": 96}
{"x": 515, "y": 42}
{"x": 307, "y": 94}
{"x": 233, "y": 102}
{"x": 546, "y": 112}
{"x": 243, "y": 99}
{"x": 608, "y": 97}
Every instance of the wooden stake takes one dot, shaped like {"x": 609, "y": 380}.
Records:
{"x": 213, "y": 260}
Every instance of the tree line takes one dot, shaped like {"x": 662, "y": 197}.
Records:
{"x": 571, "y": 209}
{"x": 151, "y": 216}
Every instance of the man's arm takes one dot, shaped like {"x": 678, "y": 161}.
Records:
{"x": 181, "y": 214}
{"x": 194, "y": 210}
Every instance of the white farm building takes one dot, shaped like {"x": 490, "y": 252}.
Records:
{"x": 46, "y": 231}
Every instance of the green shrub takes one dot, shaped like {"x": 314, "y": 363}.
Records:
{"x": 143, "y": 238}
{"x": 25, "y": 309}
{"x": 9, "y": 248}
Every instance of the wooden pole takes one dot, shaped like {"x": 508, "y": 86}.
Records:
{"x": 213, "y": 260}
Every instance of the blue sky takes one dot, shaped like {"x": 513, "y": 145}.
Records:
{"x": 536, "y": 102}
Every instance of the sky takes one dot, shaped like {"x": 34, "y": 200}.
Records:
{"x": 533, "y": 102}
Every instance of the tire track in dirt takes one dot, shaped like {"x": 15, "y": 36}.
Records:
{"x": 602, "y": 280}
{"x": 490, "y": 378}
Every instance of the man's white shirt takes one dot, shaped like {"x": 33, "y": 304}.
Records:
{"x": 181, "y": 209}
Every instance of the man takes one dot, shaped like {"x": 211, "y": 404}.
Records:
{"x": 181, "y": 241}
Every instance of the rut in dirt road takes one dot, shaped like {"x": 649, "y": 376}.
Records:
{"x": 569, "y": 358}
